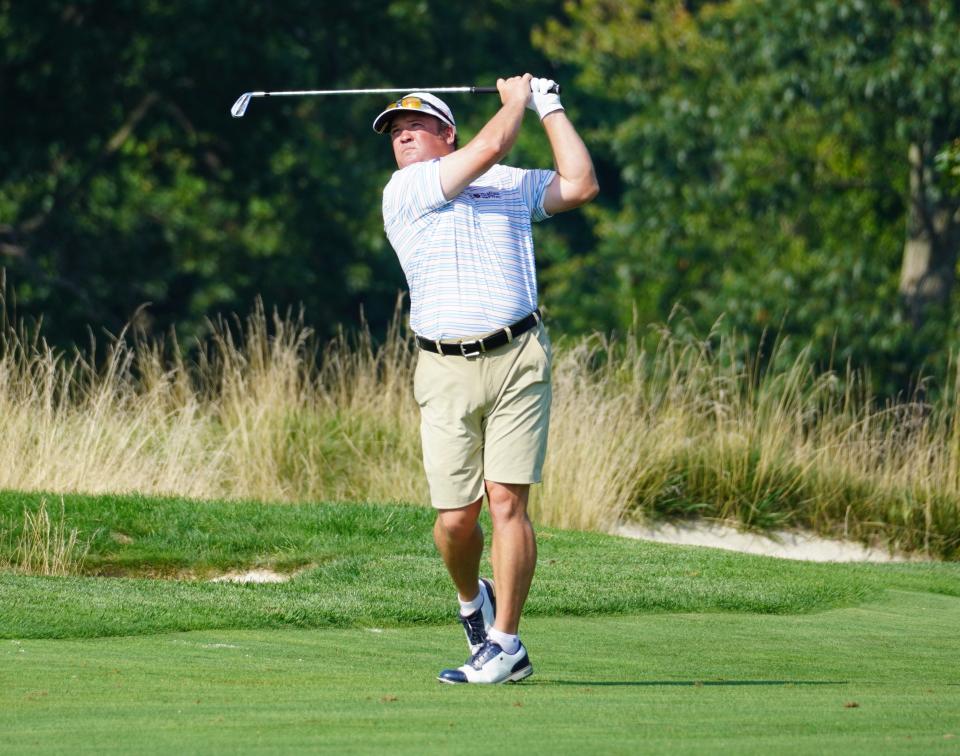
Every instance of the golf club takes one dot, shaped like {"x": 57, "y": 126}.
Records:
{"x": 243, "y": 101}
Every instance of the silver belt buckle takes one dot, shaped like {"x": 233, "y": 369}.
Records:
{"x": 465, "y": 353}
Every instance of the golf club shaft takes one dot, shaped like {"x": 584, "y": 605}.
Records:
{"x": 240, "y": 106}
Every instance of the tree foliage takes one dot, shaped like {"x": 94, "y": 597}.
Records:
{"x": 125, "y": 181}
{"x": 763, "y": 151}
{"x": 780, "y": 166}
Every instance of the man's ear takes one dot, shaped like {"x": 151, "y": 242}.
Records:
{"x": 451, "y": 136}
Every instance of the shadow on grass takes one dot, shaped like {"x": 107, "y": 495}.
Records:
{"x": 688, "y": 683}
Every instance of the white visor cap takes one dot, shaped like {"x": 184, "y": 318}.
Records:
{"x": 416, "y": 102}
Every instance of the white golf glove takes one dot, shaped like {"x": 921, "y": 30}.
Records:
{"x": 543, "y": 101}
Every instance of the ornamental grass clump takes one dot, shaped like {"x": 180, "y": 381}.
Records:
{"x": 44, "y": 546}
{"x": 692, "y": 428}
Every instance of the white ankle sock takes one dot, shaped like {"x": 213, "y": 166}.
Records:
{"x": 469, "y": 607}
{"x": 509, "y": 643}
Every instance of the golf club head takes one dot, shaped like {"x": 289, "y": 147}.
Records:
{"x": 240, "y": 106}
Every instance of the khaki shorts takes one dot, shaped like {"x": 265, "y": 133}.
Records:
{"x": 484, "y": 417}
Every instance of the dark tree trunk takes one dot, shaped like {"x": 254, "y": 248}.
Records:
{"x": 933, "y": 236}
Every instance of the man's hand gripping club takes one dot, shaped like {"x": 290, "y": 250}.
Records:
{"x": 543, "y": 101}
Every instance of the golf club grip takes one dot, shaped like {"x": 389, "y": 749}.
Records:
{"x": 555, "y": 89}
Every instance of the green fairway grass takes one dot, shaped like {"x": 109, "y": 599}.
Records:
{"x": 637, "y": 647}
{"x": 876, "y": 678}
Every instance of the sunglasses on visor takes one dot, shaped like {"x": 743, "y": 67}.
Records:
{"x": 414, "y": 103}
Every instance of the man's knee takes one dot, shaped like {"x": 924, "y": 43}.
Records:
{"x": 458, "y": 524}
{"x": 507, "y": 500}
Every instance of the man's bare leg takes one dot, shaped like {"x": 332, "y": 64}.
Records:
{"x": 514, "y": 554}
{"x": 459, "y": 540}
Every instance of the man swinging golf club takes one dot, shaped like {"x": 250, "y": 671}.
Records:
{"x": 461, "y": 226}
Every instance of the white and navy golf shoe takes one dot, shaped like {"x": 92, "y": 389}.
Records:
{"x": 477, "y": 623}
{"x": 491, "y": 665}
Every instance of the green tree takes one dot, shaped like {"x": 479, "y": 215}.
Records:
{"x": 763, "y": 151}
{"x": 948, "y": 165}
{"x": 123, "y": 179}
{"x": 898, "y": 64}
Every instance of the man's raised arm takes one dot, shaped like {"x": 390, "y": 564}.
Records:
{"x": 491, "y": 143}
{"x": 576, "y": 182}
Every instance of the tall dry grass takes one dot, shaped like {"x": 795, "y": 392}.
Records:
{"x": 262, "y": 413}
{"x": 265, "y": 412}
{"x": 691, "y": 429}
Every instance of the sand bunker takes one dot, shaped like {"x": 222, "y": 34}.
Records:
{"x": 783, "y": 544}
{"x": 252, "y": 576}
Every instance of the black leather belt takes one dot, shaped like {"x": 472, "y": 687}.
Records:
{"x": 473, "y": 347}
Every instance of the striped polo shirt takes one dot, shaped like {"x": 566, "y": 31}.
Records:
{"x": 468, "y": 261}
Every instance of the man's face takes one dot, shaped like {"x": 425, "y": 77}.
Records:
{"x": 417, "y": 137}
